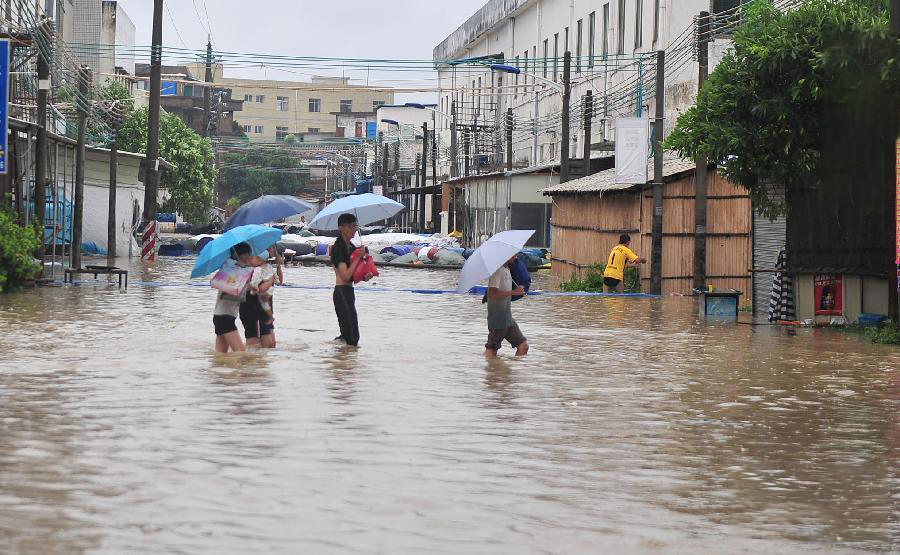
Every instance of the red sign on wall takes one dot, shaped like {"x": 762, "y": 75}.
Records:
{"x": 829, "y": 294}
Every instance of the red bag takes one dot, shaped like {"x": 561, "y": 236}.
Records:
{"x": 365, "y": 266}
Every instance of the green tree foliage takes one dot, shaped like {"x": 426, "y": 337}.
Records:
{"x": 190, "y": 183}
{"x": 777, "y": 108}
{"x": 114, "y": 105}
{"x": 17, "y": 243}
{"x": 251, "y": 173}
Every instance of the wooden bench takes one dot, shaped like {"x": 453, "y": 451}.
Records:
{"x": 69, "y": 273}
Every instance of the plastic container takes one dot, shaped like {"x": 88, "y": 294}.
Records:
{"x": 720, "y": 303}
{"x": 172, "y": 250}
{"x": 868, "y": 319}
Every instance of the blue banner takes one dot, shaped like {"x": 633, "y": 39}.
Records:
{"x": 371, "y": 130}
{"x": 4, "y": 103}
{"x": 168, "y": 88}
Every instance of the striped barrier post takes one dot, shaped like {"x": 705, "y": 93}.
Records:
{"x": 148, "y": 242}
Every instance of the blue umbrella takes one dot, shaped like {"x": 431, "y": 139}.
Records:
{"x": 267, "y": 208}
{"x": 367, "y": 208}
{"x": 215, "y": 253}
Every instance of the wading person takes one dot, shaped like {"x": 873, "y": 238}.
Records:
{"x": 256, "y": 318}
{"x": 344, "y": 267}
{"x": 620, "y": 258}
{"x": 501, "y": 325}
{"x": 228, "y": 307}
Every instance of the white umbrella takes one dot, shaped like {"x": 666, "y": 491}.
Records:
{"x": 488, "y": 258}
{"x": 367, "y": 208}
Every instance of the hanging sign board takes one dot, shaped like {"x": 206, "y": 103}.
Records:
{"x": 632, "y": 150}
{"x": 168, "y": 88}
{"x": 4, "y": 104}
{"x": 829, "y": 294}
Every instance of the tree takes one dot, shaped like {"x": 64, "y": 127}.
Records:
{"x": 190, "y": 183}
{"x": 800, "y": 91}
{"x": 253, "y": 172}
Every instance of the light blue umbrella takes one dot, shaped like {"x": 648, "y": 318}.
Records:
{"x": 267, "y": 208}
{"x": 217, "y": 251}
{"x": 367, "y": 208}
{"x": 492, "y": 254}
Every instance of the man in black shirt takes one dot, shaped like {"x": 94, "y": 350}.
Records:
{"x": 344, "y": 297}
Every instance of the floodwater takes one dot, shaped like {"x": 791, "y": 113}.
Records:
{"x": 631, "y": 427}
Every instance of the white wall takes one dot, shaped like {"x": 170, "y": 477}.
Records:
{"x": 526, "y": 27}
{"x": 96, "y": 199}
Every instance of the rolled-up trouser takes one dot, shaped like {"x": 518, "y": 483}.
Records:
{"x": 345, "y": 308}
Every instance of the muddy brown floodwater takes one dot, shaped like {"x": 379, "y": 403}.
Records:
{"x": 631, "y": 427}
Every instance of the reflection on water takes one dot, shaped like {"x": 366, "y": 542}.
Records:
{"x": 631, "y": 426}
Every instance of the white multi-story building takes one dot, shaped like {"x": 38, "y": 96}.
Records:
{"x": 613, "y": 45}
{"x": 100, "y": 26}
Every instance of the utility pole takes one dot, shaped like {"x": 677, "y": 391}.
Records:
{"x": 206, "y": 92}
{"x": 566, "y": 100}
{"x": 40, "y": 155}
{"x": 375, "y": 173}
{"x": 115, "y": 121}
{"x": 151, "y": 170}
{"x": 454, "y": 155}
{"x": 424, "y": 176}
{"x": 83, "y": 104}
{"x": 657, "y": 224}
{"x": 466, "y": 153}
{"x": 588, "y": 114}
{"x": 435, "y": 205}
{"x": 894, "y": 289}
{"x": 701, "y": 175}
{"x": 509, "y": 139}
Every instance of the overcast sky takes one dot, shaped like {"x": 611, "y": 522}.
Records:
{"x": 390, "y": 29}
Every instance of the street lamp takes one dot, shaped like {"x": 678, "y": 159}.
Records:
{"x": 559, "y": 88}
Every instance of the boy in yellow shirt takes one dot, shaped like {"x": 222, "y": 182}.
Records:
{"x": 620, "y": 258}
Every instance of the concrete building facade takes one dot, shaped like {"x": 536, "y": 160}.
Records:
{"x": 612, "y": 43}
{"x": 274, "y": 109}
{"x": 105, "y": 24}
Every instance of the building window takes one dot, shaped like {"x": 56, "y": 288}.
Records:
{"x": 281, "y": 133}
{"x": 638, "y": 23}
{"x": 555, "y": 56}
{"x": 578, "y": 47}
{"x": 534, "y": 69}
{"x": 605, "y": 48}
{"x": 315, "y": 104}
{"x": 282, "y": 104}
{"x": 248, "y": 98}
{"x": 620, "y": 49}
{"x": 247, "y": 128}
{"x": 189, "y": 90}
{"x": 377, "y": 104}
{"x": 546, "y": 53}
{"x": 259, "y": 129}
{"x": 313, "y": 130}
{"x": 655, "y": 21}
{"x": 592, "y": 35}
{"x": 260, "y": 98}
{"x": 346, "y": 106}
